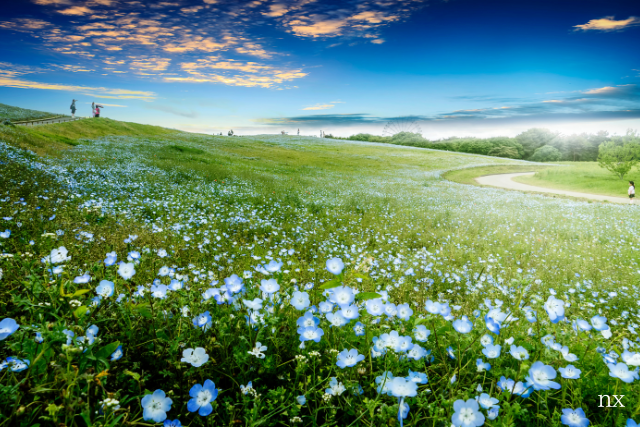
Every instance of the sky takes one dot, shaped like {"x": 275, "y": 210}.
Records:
{"x": 443, "y": 68}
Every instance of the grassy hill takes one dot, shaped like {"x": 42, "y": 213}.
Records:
{"x": 127, "y": 248}
{"x": 17, "y": 114}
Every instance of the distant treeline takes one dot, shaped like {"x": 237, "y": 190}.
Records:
{"x": 535, "y": 144}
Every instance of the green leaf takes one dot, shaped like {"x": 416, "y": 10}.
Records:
{"x": 361, "y": 276}
{"x": 107, "y": 350}
{"x": 80, "y": 311}
{"x": 362, "y": 296}
{"x": 79, "y": 292}
{"x": 331, "y": 284}
{"x": 135, "y": 375}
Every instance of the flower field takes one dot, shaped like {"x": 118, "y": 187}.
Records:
{"x": 16, "y": 113}
{"x": 265, "y": 281}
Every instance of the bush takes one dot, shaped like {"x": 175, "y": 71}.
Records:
{"x": 546, "y": 153}
{"x": 503, "y": 151}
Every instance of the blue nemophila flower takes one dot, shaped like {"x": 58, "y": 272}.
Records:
{"x": 325, "y": 307}
{"x": 493, "y": 412}
{"x": 581, "y": 325}
{"x": 105, "y": 288}
{"x": 126, "y": 270}
{"x": 57, "y": 256}
{"x": 335, "y": 266}
{"x": 599, "y": 323}
{"x": 70, "y": 334}
{"x": 156, "y": 406}
{"x": 487, "y": 401}
{"x": 519, "y": 352}
{"x": 492, "y": 351}
{"x": 451, "y": 352}
{"x": 201, "y": 398}
{"x": 300, "y": 300}
{"x": 5, "y": 234}
{"x": 163, "y": 271}
{"x": 421, "y": 333}
{"x": 273, "y": 266}
{"x": 359, "y": 329}
{"x": 246, "y": 389}
{"x": 335, "y": 388}
{"x": 117, "y": 354}
{"x": 308, "y": 319}
{"x": 632, "y": 359}
{"x": 7, "y": 327}
{"x": 492, "y": 325}
{"x": 463, "y": 325}
{"x": 269, "y": 286}
{"x": 486, "y": 340}
{"x": 337, "y": 319}
{"x": 85, "y": 278}
{"x": 374, "y": 307}
{"x": 301, "y": 400}
{"x": 131, "y": 238}
{"x": 202, "y": 321}
{"x": 467, "y": 414}
{"x": 417, "y": 377}
{"x": 175, "y": 285}
{"x": 631, "y": 423}
{"x": 540, "y": 376}
{"x": 110, "y": 259}
{"x": 570, "y": 372}
{"x": 38, "y": 338}
{"x": 555, "y": 309}
{"x": 416, "y": 352}
{"x": 342, "y": 295}
{"x": 172, "y": 423}
{"x": 15, "y": 364}
{"x": 404, "y": 312}
{"x": 256, "y": 304}
{"x": 349, "y": 311}
{"x": 159, "y": 291}
{"x": 161, "y": 253}
{"x": 349, "y": 358}
{"x": 258, "y": 349}
{"x": 133, "y": 256}
{"x": 482, "y": 366}
{"x": 384, "y": 381}
{"x": 574, "y": 418}
{"x": 196, "y": 357}
{"x": 621, "y": 371}
{"x": 234, "y": 284}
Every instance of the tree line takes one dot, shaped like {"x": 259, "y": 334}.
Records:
{"x": 536, "y": 144}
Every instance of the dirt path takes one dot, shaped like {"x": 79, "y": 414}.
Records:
{"x": 505, "y": 181}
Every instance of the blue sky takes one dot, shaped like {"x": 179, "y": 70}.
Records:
{"x": 456, "y": 67}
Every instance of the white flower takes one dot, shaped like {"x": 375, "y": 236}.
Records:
{"x": 258, "y": 349}
{"x": 196, "y": 357}
{"x": 126, "y": 270}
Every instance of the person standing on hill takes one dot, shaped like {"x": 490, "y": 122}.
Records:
{"x": 73, "y": 109}
{"x": 93, "y": 109}
{"x": 97, "y": 111}
{"x": 631, "y": 192}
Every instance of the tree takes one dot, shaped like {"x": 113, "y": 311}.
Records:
{"x": 535, "y": 138}
{"x": 576, "y": 146}
{"x": 618, "y": 159}
{"x": 546, "y": 153}
{"x": 504, "y": 151}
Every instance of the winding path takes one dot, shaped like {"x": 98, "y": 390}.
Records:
{"x": 505, "y": 181}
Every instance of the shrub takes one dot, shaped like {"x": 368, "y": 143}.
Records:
{"x": 546, "y": 153}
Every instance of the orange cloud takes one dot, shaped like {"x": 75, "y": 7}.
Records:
{"x": 608, "y": 23}
{"x": 76, "y": 11}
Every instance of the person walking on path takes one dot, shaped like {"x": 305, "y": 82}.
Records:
{"x": 73, "y": 109}
{"x": 631, "y": 192}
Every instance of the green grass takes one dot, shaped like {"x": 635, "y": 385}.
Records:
{"x": 585, "y": 177}
{"x": 221, "y": 206}
{"x": 18, "y": 114}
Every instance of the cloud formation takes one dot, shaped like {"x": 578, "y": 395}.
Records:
{"x": 608, "y": 23}
{"x": 9, "y": 78}
{"x": 172, "y": 110}
{"x": 161, "y": 39}
{"x": 320, "y": 107}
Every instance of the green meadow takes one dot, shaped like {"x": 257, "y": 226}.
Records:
{"x": 156, "y": 277}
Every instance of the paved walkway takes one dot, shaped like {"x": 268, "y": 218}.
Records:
{"x": 505, "y": 181}
{"x": 48, "y": 121}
